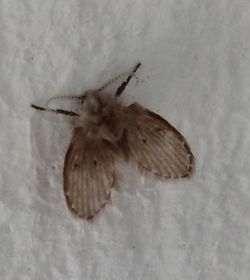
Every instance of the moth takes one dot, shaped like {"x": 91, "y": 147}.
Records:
{"x": 107, "y": 132}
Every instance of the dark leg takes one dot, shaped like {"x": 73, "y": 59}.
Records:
{"x": 122, "y": 87}
{"x": 57, "y": 111}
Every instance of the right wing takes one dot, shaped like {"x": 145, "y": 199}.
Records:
{"x": 89, "y": 174}
{"x": 156, "y": 146}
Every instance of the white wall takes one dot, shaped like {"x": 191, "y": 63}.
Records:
{"x": 196, "y": 74}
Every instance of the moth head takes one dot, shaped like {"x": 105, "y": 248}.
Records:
{"x": 91, "y": 102}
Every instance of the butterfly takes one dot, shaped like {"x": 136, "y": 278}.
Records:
{"x": 106, "y": 133}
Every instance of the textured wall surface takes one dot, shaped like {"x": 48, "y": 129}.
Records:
{"x": 196, "y": 74}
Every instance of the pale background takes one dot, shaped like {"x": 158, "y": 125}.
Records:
{"x": 196, "y": 74}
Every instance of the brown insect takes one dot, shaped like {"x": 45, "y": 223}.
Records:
{"x": 107, "y": 132}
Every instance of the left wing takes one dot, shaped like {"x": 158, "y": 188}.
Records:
{"x": 89, "y": 174}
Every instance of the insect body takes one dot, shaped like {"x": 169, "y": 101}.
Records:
{"x": 107, "y": 132}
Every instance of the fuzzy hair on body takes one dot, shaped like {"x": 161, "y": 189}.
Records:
{"x": 103, "y": 116}
{"x": 107, "y": 132}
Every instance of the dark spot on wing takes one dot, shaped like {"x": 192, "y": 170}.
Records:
{"x": 76, "y": 165}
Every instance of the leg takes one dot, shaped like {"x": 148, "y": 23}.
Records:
{"x": 57, "y": 111}
{"x": 122, "y": 87}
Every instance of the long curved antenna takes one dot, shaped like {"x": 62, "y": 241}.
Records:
{"x": 113, "y": 80}
{"x": 81, "y": 97}
{"x": 123, "y": 85}
{"x": 119, "y": 91}
{"x": 57, "y": 111}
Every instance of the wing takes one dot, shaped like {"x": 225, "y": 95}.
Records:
{"x": 89, "y": 174}
{"x": 157, "y": 147}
